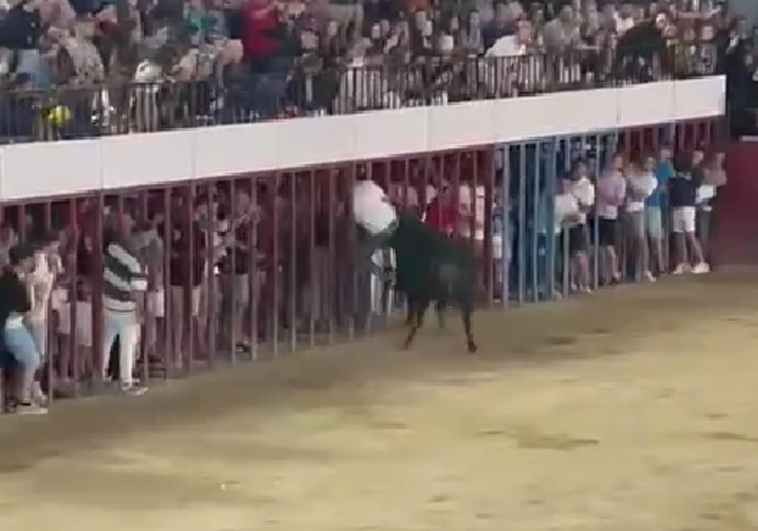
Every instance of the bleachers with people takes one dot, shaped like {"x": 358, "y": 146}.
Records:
{"x": 77, "y": 69}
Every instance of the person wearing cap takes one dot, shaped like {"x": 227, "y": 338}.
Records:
{"x": 15, "y": 302}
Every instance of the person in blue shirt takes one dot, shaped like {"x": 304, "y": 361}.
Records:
{"x": 656, "y": 207}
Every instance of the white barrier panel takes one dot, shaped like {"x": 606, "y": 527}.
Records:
{"x": 59, "y": 168}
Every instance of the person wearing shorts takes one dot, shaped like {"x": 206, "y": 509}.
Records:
{"x": 683, "y": 197}
{"x": 582, "y": 189}
{"x": 611, "y": 194}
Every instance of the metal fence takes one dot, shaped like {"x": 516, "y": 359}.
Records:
{"x": 245, "y": 268}
{"x": 70, "y": 113}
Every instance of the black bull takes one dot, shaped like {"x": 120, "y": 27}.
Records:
{"x": 433, "y": 267}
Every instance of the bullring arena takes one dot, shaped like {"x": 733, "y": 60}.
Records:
{"x": 630, "y": 409}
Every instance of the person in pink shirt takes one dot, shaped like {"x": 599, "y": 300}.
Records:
{"x": 611, "y": 194}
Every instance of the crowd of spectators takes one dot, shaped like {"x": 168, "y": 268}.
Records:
{"x": 741, "y": 69}
{"x": 116, "y": 290}
{"x": 72, "y": 68}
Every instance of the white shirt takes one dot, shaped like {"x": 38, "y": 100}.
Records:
{"x": 566, "y": 206}
{"x": 466, "y": 212}
{"x": 41, "y": 286}
{"x": 705, "y": 192}
{"x": 638, "y": 189}
{"x": 584, "y": 192}
{"x": 372, "y": 209}
{"x": 623, "y": 24}
{"x": 507, "y": 46}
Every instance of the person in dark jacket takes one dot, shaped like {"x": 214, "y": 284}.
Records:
{"x": 683, "y": 187}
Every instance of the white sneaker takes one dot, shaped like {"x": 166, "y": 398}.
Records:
{"x": 680, "y": 269}
{"x": 38, "y": 397}
{"x": 649, "y": 277}
{"x": 701, "y": 268}
{"x": 133, "y": 389}
{"x": 30, "y": 409}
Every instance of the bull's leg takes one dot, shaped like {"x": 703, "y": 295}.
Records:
{"x": 409, "y": 320}
{"x": 467, "y": 310}
{"x": 440, "y": 307}
{"x": 419, "y": 319}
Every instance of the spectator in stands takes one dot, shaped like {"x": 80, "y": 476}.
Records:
{"x": 683, "y": 188}
{"x": 503, "y": 24}
{"x": 611, "y": 194}
{"x": 582, "y": 189}
{"x": 15, "y": 302}
{"x": 123, "y": 277}
{"x": 641, "y": 184}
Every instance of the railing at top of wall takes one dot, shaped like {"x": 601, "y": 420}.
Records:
{"x": 74, "y": 113}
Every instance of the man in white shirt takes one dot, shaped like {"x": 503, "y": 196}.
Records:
{"x": 374, "y": 213}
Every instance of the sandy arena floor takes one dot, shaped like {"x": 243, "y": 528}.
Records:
{"x": 634, "y": 409}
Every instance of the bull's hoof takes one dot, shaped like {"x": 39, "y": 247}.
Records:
{"x": 472, "y": 348}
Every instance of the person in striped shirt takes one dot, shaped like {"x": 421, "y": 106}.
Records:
{"x": 123, "y": 277}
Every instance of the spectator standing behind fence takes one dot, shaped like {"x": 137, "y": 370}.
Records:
{"x": 611, "y": 194}
{"x": 641, "y": 184}
{"x": 582, "y": 189}
{"x": 683, "y": 188}
{"x": 715, "y": 178}
{"x": 47, "y": 266}
{"x": 15, "y": 302}
{"x": 656, "y": 210}
{"x": 123, "y": 277}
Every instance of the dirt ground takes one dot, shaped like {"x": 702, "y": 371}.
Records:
{"x": 632, "y": 409}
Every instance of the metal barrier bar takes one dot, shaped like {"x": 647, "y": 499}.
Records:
{"x": 291, "y": 263}
{"x": 596, "y": 171}
{"x": 333, "y": 291}
{"x": 488, "y": 165}
{"x": 521, "y": 205}
{"x": 168, "y": 310}
{"x": 551, "y": 184}
{"x": 506, "y": 230}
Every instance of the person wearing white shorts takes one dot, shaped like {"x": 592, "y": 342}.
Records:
{"x": 683, "y": 220}
{"x": 683, "y": 196}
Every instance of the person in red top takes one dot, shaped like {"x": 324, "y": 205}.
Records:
{"x": 440, "y": 212}
{"x": 260, "y": 29}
